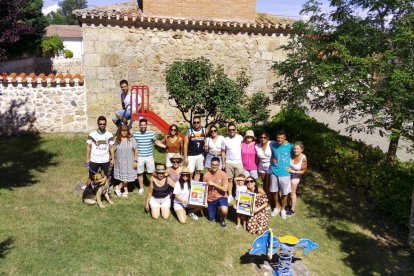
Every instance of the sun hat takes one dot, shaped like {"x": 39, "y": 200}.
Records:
{"x": 176, "y": 156}
{"x": 160, "y": 168}
{"x": 249, "y": 133}
{"x": 185, "y": 171}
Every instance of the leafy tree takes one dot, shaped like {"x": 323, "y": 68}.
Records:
{"x": 258, "y": 108}
{"x": 362, "y": 67}
{"x": 197, "y": 87}
{"x": 51, "y": 46}
{"x": 22, "y": 26}
{"x": 63, "y": 16}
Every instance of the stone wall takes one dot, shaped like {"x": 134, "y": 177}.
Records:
{"x": 44, "y": 109}
{"x": 142, "y": 54}
{"x": 68, "y": 65}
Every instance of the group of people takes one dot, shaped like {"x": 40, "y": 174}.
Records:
{"x": 228, "y": 160}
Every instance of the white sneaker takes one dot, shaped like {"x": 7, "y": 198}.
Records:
{"x": 283, "y": 214}
{"x": 275, "y": 212}
{"x": 125, "y": 195}
{"x": 229, "y": 199}
{"x": 118, "y": 192}
{"x": 193, "y": 216}
{"x": 141, "y": 191}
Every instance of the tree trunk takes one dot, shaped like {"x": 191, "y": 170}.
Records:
{"x": 392, "y": 148}
{"x": 411, "y": 235}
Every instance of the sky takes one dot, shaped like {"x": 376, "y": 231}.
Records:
{"x": 289, "y": 8}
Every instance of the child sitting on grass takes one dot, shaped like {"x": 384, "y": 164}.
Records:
{"x": 240, "y": 187}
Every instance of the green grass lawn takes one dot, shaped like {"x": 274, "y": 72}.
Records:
{"x": 46, "y": 230}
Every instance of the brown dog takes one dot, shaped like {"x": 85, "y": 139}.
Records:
{"x": 93, "y": 193}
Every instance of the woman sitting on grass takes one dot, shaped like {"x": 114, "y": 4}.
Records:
{"x": 182, "y": 193}
{"x": 258, "y": 223}
{"x": 298, "y": 166}
{"x": 159, "y": 193}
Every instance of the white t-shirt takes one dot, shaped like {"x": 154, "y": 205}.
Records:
{"x": 183, "y": 193}
{"x": 100, "y": 146}
{"x": 265, "y": 155}
{"x": 126, "y": 99}
{"x": 240, "y": 188}
{"x": 232, "y": 146}
{"x": 215, "y": 146}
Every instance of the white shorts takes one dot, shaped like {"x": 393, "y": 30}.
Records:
{"x": 280, "y": 183}
{"x": 178, "y": 205}
{"x": 264, "y": 167}
{"x": 146, "y": 162}
{"x": 160, "y": 202}
{"x": 251, "y": 173}
{"x": 295, "y": 180}
{"x": 195, "y": 163}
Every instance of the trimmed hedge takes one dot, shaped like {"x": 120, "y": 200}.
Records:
{"x": 349, "y": 162}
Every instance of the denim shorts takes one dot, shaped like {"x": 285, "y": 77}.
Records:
{"x": 213, "y": 205}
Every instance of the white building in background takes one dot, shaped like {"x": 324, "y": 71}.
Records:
{"x": 71, "y": 36}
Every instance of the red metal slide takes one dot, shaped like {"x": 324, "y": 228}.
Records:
{"x": 144, "y": 111}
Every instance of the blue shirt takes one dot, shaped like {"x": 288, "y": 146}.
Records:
{"x": 144, "y": 141}
{"x": 282, "y": 155}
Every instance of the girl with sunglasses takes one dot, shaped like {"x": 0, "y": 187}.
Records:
{"x": 213, "y": 146}
{"x": 174, "y": 143}
{"x": 258, "y": 223}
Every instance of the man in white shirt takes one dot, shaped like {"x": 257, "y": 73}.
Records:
{"x": 129, "y": 101}
{"x": 231, "y": 156}
{"x": 99, "y": 150}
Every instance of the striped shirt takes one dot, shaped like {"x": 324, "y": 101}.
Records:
{"x": 144, "y": 141}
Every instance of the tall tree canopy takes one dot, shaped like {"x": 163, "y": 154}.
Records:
{"x": 197, "y": 87}
{"x": 361, "y": 66}
{"x": 22, "y": 26}
{"x": 63, "y": 16}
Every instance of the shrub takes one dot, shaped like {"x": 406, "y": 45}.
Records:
{"x": 350, "y": 162}
{"x": 68, "y": 53}
{"x": 51, "y": 46}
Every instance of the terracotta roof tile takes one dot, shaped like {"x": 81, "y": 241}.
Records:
{"x": 64, "y": 31}
{"x": 132, "y": 14}
{"x": 13, "y": 79}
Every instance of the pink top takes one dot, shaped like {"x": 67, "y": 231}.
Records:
{"x": 248, "y": 152}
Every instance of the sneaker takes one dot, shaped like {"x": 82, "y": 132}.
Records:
{"x": 275, "y": 212}
{"x": 125, "y": 194}
{"x": 238, "y": 226}
{"x": 193, "y": 216}
{"x": 141, "y": 191}
{"x": 283, "y": 214}
{"x": 229, "y": 199}
{"x": 290, "y": 213}
{"x": 223, "y": 224}
{"x": 118, "y": 192}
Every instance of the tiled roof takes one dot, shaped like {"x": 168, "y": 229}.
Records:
{"x": 64, "y": 31}
{"x": 133, "y": 15}
{"x": 22, "y": 79}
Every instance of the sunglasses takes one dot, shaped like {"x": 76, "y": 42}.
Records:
{"x": 263, "y": 137}
{"x": 175, "y": 162}
{"x": 213, "y": 130}
{"x": 232, "y": 129}
{"x": 196, "y": 122}
{"x": 173, "y": 129}
{"x": 185, "y": 175}
{"x": 249, "y": 181}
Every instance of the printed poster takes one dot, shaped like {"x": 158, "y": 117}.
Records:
{"x": 245, "y": 203}
{"x": 198, "y": 193}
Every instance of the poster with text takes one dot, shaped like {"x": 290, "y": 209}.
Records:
{"x": 245, "y": 203}
{"x": 198, "y": 193}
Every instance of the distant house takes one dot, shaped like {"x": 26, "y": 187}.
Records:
{"x": 71, "y": 36}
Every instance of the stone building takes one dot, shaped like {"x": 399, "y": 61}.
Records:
{"x": 139, "y": 39}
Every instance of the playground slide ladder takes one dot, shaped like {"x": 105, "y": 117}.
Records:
{"x": 144, "y": 111}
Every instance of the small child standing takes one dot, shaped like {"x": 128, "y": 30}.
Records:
{"x": 240, "y": 187}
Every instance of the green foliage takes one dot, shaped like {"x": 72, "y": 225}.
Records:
{"x": 63, "y": 16}
{"x": 258, "y": 108}
{"x": 22, "y": 26}
{"x": 349, "y": 162}
{"x": 51, "y": 45}
{"x": 197, "y": 87}
{"x": 68, "y": 53}
{"x": 360, "y": 67}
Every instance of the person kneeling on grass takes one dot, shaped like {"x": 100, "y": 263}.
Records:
{"x": 159, "y": 198}
{"x": 217, "y": 182}
{"x": 182, "y": 193}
